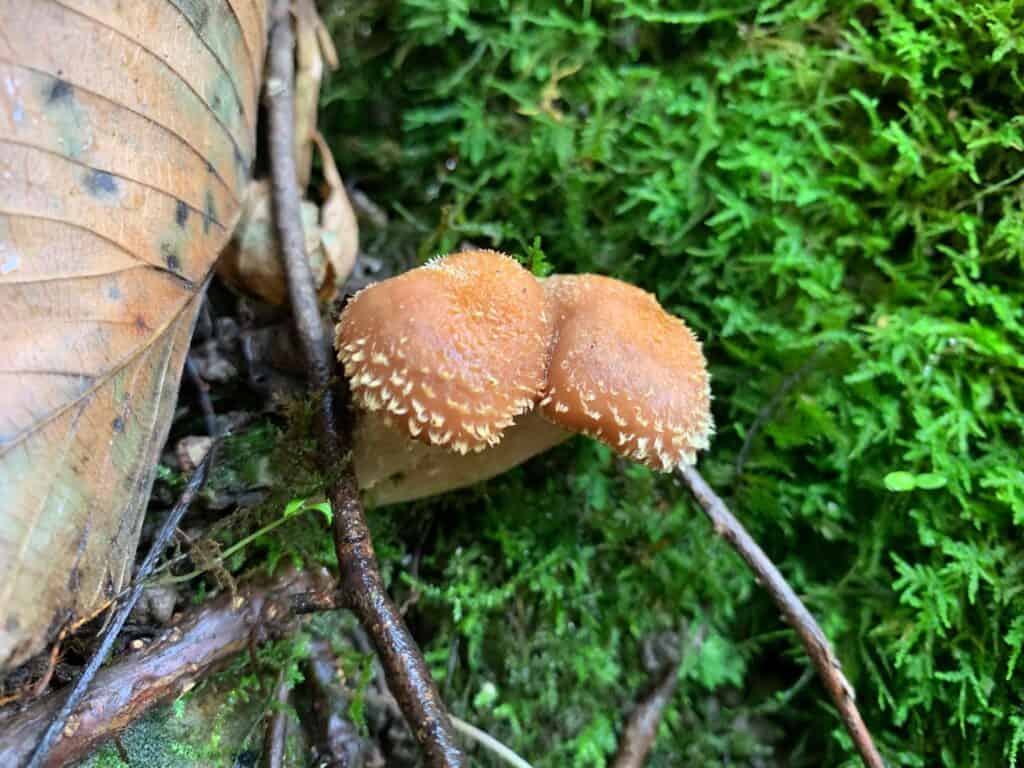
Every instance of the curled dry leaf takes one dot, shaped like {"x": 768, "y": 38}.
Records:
{"x": 252, "y": 260}
{"x": 126, "y": 138}
{"x": 313, "y": 48}
{"x": 339, "y": 229}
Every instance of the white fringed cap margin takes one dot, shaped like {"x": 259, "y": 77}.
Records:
{"x": 626, "y": 372}
{"x": 452, "y": 351}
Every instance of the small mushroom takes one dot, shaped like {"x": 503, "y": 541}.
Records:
{"x": 451, "y": 352}
{"x": 626, "y": 372}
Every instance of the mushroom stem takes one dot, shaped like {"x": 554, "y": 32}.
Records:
{"x": 392, "y": 467}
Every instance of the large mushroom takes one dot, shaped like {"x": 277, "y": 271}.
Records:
{"x": 471, "y": 354}
{"x": 614, "y": 365}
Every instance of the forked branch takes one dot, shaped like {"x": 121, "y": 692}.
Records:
{"x": 361, "y": 586}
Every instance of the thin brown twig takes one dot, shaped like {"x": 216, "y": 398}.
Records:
{"x": 288, "y": 197}
{"x": 203, "y": 396}
{"x": 44, "y": 682}
{"x": 32, "y": 690}
{"x": 200, "y": 642}
{"x": 642, "y": 726}
{"x": 275, "y": 739}
{"x": 362, "y": 591}
{"x": 160, "y": 542}
{"x": 795, "y": 612}
{"x": 360, "y": 582}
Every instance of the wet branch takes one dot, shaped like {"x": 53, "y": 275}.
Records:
{"x": 275, "y": 740}
{"x": 202, "y": 641}
{"x": 361, "y": 587}
{"x": 338, "y": 740}
{"x": 795, "y": 612}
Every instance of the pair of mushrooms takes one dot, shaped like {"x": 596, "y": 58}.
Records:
{"x": 484, "y": 365}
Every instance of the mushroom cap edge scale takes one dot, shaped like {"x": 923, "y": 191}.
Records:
{"x": 626, "y": 372}
{"x": 451, "y": 351}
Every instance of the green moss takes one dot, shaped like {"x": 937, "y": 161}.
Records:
{"x": 829, "y": 193}
{"x": 218, "y": 722}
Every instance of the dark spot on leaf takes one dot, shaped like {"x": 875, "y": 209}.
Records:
{"x": 60, "y": 90}
{"x": 181, "y": 213}
{"x": 12, "y": 624}
{"x": 170, "y": 254}
{"x": 100, "y": 183}
{"x": 108, "y": 586}
{"x": 209, "y": 213}
{"x": 240, "y": 162}
{"x": 200, "y": 14}
{"x": 118, "y": 425}
{"x": 140, "y": 323}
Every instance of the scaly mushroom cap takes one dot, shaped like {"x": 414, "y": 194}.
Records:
{"x": 452, "y": 351}
{"x": 626, "y": 372}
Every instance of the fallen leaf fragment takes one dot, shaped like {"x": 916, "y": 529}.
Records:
{"x": 252, "y": 260}
{"x": 313, "y": 49}
{"x": 339, "y": 229}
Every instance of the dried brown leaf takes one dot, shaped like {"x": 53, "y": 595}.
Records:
{"x": 126, "y": 138}
{"x": 339, "y": 229}
{"x": 252, "y": 260}
{"x": 312, "y": 47}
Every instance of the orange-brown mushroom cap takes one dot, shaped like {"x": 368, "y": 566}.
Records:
{"x": 626, "y": 372}
{"x": 452, "y": 351}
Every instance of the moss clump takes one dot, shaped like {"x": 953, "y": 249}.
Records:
{"x": 219, "y": 723}
{"x": 829, "y": 193}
